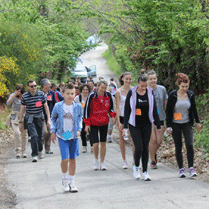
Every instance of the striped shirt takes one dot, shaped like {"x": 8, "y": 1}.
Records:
{"x": 34, "y": 104}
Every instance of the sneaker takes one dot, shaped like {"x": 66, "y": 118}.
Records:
{"x": 65, "y": 184}
{"x": 96, "y": 165}
{"x": 24, "y": 155}
{"x": 125, "y": 165}
{"x": 146, "y": 176}
{"x": 103, "y": 167}
{"x": 192, "y": 172}
{"x": 34, "y": 159}
{"x": 73, "y": 188}
{"x": 40, "y": 155}
{"x": 153, "y": 165}
{"x": 91, "y": 149}
{"x": 181, "y": 173}
{"x": 18, "y": 155}
{"x": 48, "y": 152}
{"x": 109, "y": 140}
{"x": 84, "y": 150}
{"x": 136, "y": 172}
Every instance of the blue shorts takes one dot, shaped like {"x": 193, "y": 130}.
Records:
{"x": 69, "y": 149}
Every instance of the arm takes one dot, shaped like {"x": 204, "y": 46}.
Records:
{"x": 54, "y": 117}
{"x": 169, "y": 112}
{"x": 87, "y": 110}
{"x": 48, "y": 114}
{"x": 117, "y": 99}
{"x": 127, "y": 109}
{"x": 156, "y": 116}
{"x": 111, "y": 109}
{"x": 61, "y": 98}
{"x": 12, "y": 97}
{"x": 22, "y": 110}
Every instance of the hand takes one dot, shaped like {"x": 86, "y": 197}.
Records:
{"x": 17, "y": 92}
{"x": 53, "y": 137}
{"x": 87, "y": 129}
{"x": 120, "y": 126}
{"x": 198, "y": 127}
{"x": 48, "y": 123}
{"x": 124, "y": 131}
{"x": 78, "y": 134}
{"x": 169, "y": 130}
{"x": 20, "y": 127}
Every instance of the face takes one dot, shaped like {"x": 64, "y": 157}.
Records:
{"x": 142, "y": 85}
{"x": 85, "y": 90}
{"x": 91, "y": 85}
{"x": 69, "y": 94}
{"x": 54, "y": 88}
{"x": 47, "y": 86}
{"x": 102, "y": 88}
{"x": 152, "y": 80}
{"x": 184, "y": 87}
{"x": 77, "y": 91}
{"x": 32, "y": 87}
{"x": 127, "y": 79}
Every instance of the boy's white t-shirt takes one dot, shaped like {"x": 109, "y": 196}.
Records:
{"x": 68, "y": 119}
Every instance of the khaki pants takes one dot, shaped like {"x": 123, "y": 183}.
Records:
{"x": 47, "y": 137}
{"x": 20, "y": 138}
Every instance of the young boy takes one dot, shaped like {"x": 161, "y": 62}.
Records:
{"x": 66, "y": 125}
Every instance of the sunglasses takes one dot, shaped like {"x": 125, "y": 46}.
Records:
{"x": 33, "y": 86}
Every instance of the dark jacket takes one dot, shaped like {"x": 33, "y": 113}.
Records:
{"x": 95, "y": 112}
{"x": 172, "y": 99}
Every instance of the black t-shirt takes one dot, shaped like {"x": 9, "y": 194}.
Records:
{"x": 142, "y": 109}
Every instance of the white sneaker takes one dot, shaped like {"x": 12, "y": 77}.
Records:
{"x": 125, "y": 165}
{"x": 109, "y": 139}
{"x": 136, "y": 172}
{"x": 91, "y": 149}
{"x": 84, "y": 150}
{"x": 102, "y": 166}
{"x": 96, "y": 165}
{"x": 73, "y": 188}
{"x": 34, "y": 159}
{"x": 65, "y": 184}
{"x": 24, "y": 155}
{"x": 18, "y": 154}
{"x": 192, "y": 172}
{"x": 40, "y": 155}
{"x": 146, "y": 176}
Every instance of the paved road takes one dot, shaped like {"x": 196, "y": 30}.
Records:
{"x": 38, "y": 185}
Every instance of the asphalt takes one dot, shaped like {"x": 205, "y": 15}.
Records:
{"x": 38, "y": 185}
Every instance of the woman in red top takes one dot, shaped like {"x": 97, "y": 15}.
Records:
{"x": 98, "y": 105}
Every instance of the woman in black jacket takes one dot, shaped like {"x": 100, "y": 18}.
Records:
{"x": 180, "y": 114}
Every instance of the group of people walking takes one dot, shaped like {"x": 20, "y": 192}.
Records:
{"x": 138, "y": 110}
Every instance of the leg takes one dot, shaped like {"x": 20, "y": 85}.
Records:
{"x": 95, "y": 138}
{"x": 146, "y": 133}
{"x": 24, "y": 142}
{"x": 17, "y": 134}
{"x": 64, "y": 165}
{"x": 83, "y": 136}
{"x": 153, "y": 143}
{"x": 103, "y": 136}
{"x": 72, "y": 167}
{"x": 39, "y": 128}
{"x": 47, "y": 137}
{"x": 188, "y": 135}
{"x": 178, "y": 144}
{"x": 137, "y": 139}
{"x": 122, "y": 146}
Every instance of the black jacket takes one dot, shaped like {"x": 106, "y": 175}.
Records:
{"x": 172, "y": 99}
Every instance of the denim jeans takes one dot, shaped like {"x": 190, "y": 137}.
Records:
{"x": 35, "y": 129}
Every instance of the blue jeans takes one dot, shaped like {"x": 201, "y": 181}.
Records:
{"x": 35, "y": 129}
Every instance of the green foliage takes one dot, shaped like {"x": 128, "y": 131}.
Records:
{"x": 168, "y": 36}
{"x": 202, "y": 138}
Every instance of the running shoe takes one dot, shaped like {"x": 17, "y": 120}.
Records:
{"x": 96, "y": 165}
{"x": 24, "y": 155}
{"x": 65, "y": 184}
{"x": 73, "y": 188}
{"x": 48, "y": 152}
{"x": 34, "y": 159}
{"x": 102, "y": 166}
{"x": 91, "y": 149}
{"x": 40, "y": 155}
{"x": 125, "y": 165}
{"x": 192, "y": 172}
{"x": 181, "y": 173}
{"x": 146, "y": 176}
{"x": 84, "y": 150}
{"x": 153, "y": 165}
{"x": 109, "y": 139}
{"x": 136, "y": 172}
{"x": 18, "y": 154}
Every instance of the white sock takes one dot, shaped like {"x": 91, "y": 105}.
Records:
{"x": 65, "y": 175}
{"x": 71, "y": 178}
{"x": 96, "y": 160}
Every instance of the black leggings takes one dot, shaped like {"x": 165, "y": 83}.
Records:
{"x": 186, "y": 128}
{"x": 141, "y": 137}
{"x": 83, "y": 136}
{"x": 103, "y": 133}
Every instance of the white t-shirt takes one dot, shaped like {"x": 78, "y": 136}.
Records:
{"x": 68, "y": 119}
